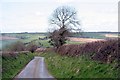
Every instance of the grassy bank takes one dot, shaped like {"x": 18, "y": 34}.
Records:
{"x": 77, "y": 67}
{"x": 12, "y": 65}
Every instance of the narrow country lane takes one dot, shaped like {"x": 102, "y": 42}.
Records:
{"x": 35, "y": 69}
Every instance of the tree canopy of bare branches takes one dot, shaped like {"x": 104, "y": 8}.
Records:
{"x": 65, "y": 18}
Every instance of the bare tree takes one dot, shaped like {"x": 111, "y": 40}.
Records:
{"x": 65, "y": 18}
{"x": 59, "y": 37}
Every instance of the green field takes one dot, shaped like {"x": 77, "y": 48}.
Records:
{"x": 23, "y": 37}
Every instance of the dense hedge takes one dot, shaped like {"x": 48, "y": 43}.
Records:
{"x": 105, "y": 51}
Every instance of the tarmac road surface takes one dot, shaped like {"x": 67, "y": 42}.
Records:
{"x": 35, "y": 69}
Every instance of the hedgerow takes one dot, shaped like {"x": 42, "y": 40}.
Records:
{"x": 104, "y": 51}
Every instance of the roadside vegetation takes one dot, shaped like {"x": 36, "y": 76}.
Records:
{"x": 16, "y": 46}
{"x": 77, "y": 67}
{"x": 12, "y": 64}
{"x": 74, "y": 60}
{"x": 89, "y": 60}
{"x": 105, "y": 51}
{"x": 16, "y": 55}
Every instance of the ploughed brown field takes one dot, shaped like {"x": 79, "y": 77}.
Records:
{"x": 111, "y": 35}
{"x": 84, "y": 40}
{"x": 7, "y": 38}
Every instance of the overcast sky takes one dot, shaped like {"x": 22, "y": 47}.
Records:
{"x": 33, "y": 15}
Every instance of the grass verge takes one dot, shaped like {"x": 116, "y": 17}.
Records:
{"x": 12, "y": 65}
{"x": 77, "y": 67}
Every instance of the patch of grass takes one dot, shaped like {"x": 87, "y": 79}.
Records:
{"x": 77, "y": 67}
{"x": 32, "y": 37}
{"x": 73, "y": 42}
{"x": 45, "y": 43}
{"x": 12, "y": 65}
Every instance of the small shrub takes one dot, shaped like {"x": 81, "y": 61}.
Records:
{"x": 32, "y": 47}
{"x": 17, "y": 46}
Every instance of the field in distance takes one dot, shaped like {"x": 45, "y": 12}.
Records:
{"x": 9, "y": 38}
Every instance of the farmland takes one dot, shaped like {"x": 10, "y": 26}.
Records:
{"x": 65, "y": 63}
{"x": 23, "y": 37}
{"x": 28, "y": 37}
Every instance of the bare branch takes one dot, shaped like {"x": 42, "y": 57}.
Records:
{"x": 64, "y": 16}
{"x": 70, "y": 16}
